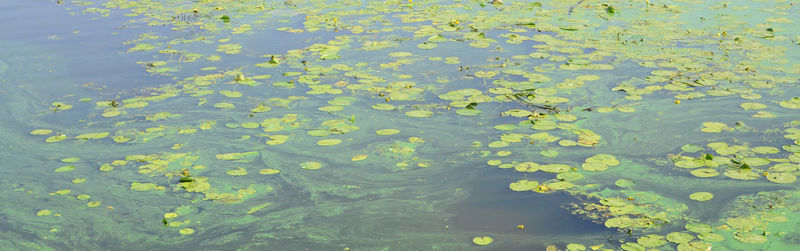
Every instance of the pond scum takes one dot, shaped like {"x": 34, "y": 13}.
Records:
{"x": 674, "y": 124}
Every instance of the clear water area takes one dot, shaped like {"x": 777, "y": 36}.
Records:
{"x": 254, "y": 157}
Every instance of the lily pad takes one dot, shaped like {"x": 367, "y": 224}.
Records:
{"x": 329, "y": 142}
{"x": 311, "y": 165}
{"x": 679, "y": 237}
{"x": 482, "y": 240}
{"x": 419, "y": 113}
{"x": 56, "y": 138}
{"x": 751, "y": 238}
{"x": 701, "y": 196}
{"x": 523, "y": 185}
{"x": 652, "y": 240}
{"x": 268, "y": 171}
{"x": 239, "y": 171}
{"x": 624, "y": 183}
{"x": 41, "y": 132}
{"x": 94, "y": 135}
{"x": 782, "y": 178}
{"x": 385, "y": 132}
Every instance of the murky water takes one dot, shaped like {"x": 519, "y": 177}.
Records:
{"x": 405, "y": 125}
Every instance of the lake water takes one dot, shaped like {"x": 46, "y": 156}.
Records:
{"x": 399, "y": 125}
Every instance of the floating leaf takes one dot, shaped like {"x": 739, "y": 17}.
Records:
{"x": 94, "y": 135}
{"x": 523, "y": 185}
{"x": 239, "y": 171}
{"x": 359, "y": 157}
{"x": 385, "y": 132}
{"x": 311, "y": 165}
{"x": 64, "y": 169}
{"x": 186, "y": 231}
{"x": 56, "y": 138}
{"x": 419, "y": 113}
{"x": 268, "y": 171}
{"x": 482, "y": 240}
{"x": 329, "y": 142}
{"x": 701, "y": 196}
{"x": 782, "y": 178}
{"x": 41, "y": 132}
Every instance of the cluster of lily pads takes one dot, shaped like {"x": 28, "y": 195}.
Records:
{"x": 393, "y": 83}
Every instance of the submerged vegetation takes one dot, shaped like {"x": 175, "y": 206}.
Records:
{"x": 370, "y": 124}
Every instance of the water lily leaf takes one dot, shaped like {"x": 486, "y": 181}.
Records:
{"x": 94, "y": 135}
{"x": 383, "y": 107}
{"x": 64, "y": 169}
{"x": 782, "y": 178}
{"x": 679, "y": 237}
{"x": 482, "y": 240}
{"x": 268, "y": 171}
{"x": 691, "y": 148}
{"x": 652, "y": 240}
{"x": 186, "y": 231}
{"x": 41, "y": 132}
{"x": 624, "y": 183}
{"x": 751, "y": 238}
{"x": 699, "y": 228}
{"x": 701, "y": 196}
{"x": 329, "y": 142}
{"x": 523, "y": 185}
{"x": 550, "y": 153}
{"x": 419, "y": 113}
{"x": 311, "y": 165}
{"x": 239, "y": 171}
{"x": 385, "y": 132}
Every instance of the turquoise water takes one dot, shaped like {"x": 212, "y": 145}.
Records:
{"x": 380, "y": 125}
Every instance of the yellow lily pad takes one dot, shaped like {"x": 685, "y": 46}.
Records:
{"x": 482, "y": 240}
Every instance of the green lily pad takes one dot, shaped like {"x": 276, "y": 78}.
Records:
{"x": 94, "y": 135}
{"x": 498, "y": 144}
{"x": 699, "y": 228}
{"x": 765, "y": 150}
{"x": 468, "y": 112}
{"x": 594, "y": 167}
{"x": 71, "y": 160}
{"x": 632, "y": 246}
{"x": 712, "y": 237}
{"x": 383, "y": 107}
{"x": 505, "y": 127}
{"x": 793, "y": 103}
{"x": 523, "y": 185}
{"x": 652, "y": 240}
{"x": 751, "y": 238}
{"x": 701, "y": 196}
{"x": 482, "y": 240}
{"x": 268, "y": 171}
{"x": 550, "y": 153}
{"x": 782, "y": 178}
{"x": 705, "y": 172}
{"x": 319, "y": 133}
{"x": 619, "y": 222}
{"x": 311, "y": 165}
{"x": 694, "y": 246}
{"x": 419, "y": 113}
{"x": 691, "y": 148}
{"x": 329, "y": 142}
{"x": 239, "y": 171}
{"x": 624, "y": 183}
{"x": 570, "y": 176}
{"x": 41, "y": 132}
{"x": 64, "y": 169}
{"x": 385, "y": 132}
{"x": 679, "y": 237}
{"x": 223, "y": 105}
